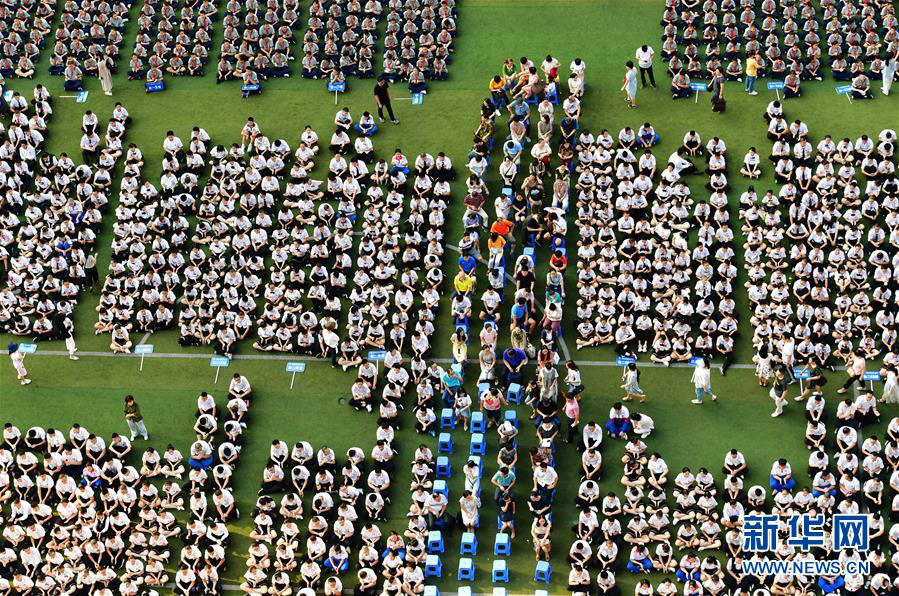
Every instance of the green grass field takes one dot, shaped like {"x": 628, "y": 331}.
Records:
{"x": 605, "y": 34}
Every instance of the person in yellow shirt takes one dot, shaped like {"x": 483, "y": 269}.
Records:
{"x": 752, "y": 71}
{"x": 463, "y": 283}
{"x": 498, "y": 91}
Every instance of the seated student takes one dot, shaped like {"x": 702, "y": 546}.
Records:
{"x": 251, "y": 80}
{"x": 680, "y": 86}
{"x": 417, "y": 83}
{"x": 647, "y": 136}
{"x": 366, "y": 124}
{"x": 791, "y": 86}
{"x": 750, "y": 167}
{"x": 861, "y": 87}
{"x": 73, "y": 76}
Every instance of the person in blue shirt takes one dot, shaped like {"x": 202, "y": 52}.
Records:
{"x": 468, "y": 263}
{"x": 521, "y": 315}
{"x": 519, "y": 107}
{"x": 514, "y": 360}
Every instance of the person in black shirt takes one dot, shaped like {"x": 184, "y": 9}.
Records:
{"x": 382, "y": 98}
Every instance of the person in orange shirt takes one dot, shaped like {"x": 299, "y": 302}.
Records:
{"x": 558, "y": 262}
{"x": 496, "y": 246}
{"x": 498, "y": 91}
{"x": 504, "y": 228}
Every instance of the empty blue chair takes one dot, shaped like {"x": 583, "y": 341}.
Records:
{"x": 482, "y": 387}
{"x": 445, "y": 443}
{"x": 478, "y": 422}
{"x": 511, "y": 416}
{"x": 433, "y": 591}
{"x": 435, "y": 541}
{"x": 513, "y": 395}
{"x": 500, "y": 571}
{"x": 529, "y": 253}
{"x": 466, "y": 570}
{"x": 502, "y": 545}
{"x": 478, "y": 445}
{"x": 544, "y": 572}
{"x": 443, "y": 467}
{"x": 433, "y": 566}
{"x": 447, "y": 419}
{"x": 441, "y": 488}
{"x": 469, "y": 544}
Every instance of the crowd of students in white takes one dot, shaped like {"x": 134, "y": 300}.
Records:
{"x": 821, "y": 251}
{"x": 78, "y": 518}
{"x": 51, "y": 211}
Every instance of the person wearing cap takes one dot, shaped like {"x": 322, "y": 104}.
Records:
{"x": 18, "y": 362}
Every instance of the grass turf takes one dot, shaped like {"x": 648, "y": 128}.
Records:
{"x": 604, "y": 34}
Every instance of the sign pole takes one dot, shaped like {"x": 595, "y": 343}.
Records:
{"x": 141, "y": 363}
{"x": 696, "y": 96}
{"x": 293, "y": 376}
{"x": 217, "y": 369}
{"x": 777, "y": 92}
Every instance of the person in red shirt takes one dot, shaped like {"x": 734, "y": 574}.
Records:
{"x": 558, "y": 262}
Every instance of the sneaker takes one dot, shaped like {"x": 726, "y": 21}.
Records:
{"x": 714, "y": 397}
{"x": 797, "y": 398}
{"x": 73, "y": 357}
{"x": 395, "y": 121}
{"x": 133, "y": 437}
{"x": 753, "y": 93}
{"x": 146, "y": 437}
{"x": 380, "y": 119}
{"x": 696, "y": 401}
{"x": 776, "y": 413}
{"x": 26, "y": 381}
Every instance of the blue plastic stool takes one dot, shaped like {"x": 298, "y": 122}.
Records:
{"x": 441, "y": 488}
{"x": 529, "y": 253}
{"x": 433, "y": 566}
{"x": 511, "y": 416}
{"x": 445, "y": 443}
{"x": 543, "y": 573}
{"x": 433, "y": 591}
{"x": 482, "y": 387}
{"x": 478, "y": 446}
{"x": 502, "y": 545}
{"x": 435, "y": 541}
{"x": 443, "y": 467}
{"x": 469, "y": 544}
{"x": 513, "y": 395}
{"x": 466, "y": 570}
{"x": 500, "y": 571}
{"x": 478, "y": 422}
{"x": 447, "y": 419}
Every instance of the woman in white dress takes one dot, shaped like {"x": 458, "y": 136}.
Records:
{"x": 763, "y": 365}
{"x": 472, "y": 478}
{"x": 890, "y": 385}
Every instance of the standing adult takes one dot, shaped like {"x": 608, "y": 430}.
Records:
{"x": 644, "y": 57}
{"x": 629, "y": 84}
{"x": 778, "y": 391}
{"x": 68, "y": 327}
{"x": 18, "y": 362}
{"x": 4, "y": 106}
{"x": 855, "y": 368}
{"x": 382, "y": 99}
{"x": 889, "y": 72}
{"x": 716, "y": 86}
{"x": 134, "y": 419}
{"x": 702, "y": 381}
{"x": 631, "y": 384}
{"x": 752, "y": 73}
{"x": 103, "y": 73}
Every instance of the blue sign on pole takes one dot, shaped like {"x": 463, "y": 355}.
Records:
{"x": 772, "y": 85}
{"x": 624, "y": 360}
{"x": 7, "y": 95}
{"x": 376, "y": 355}
{"x": 337, "y": 87}
{"x": 695, "y": 360}
{"x": 843, "y": 89}
{"x": 699, "y": 86}
{"x": 28, "y": 348}
{"x": 801, "y": 373}
{"x": 253, "y": 87}
{"x": 417, "y": 99}
{"x": 295, "y": 367}
{"x": 81, "y": 97}
{"x": 143, "y": 349}
{"x": 154, "y": 86}
{"x": 219, "y": 361}
{"x": 872, "y": 375}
